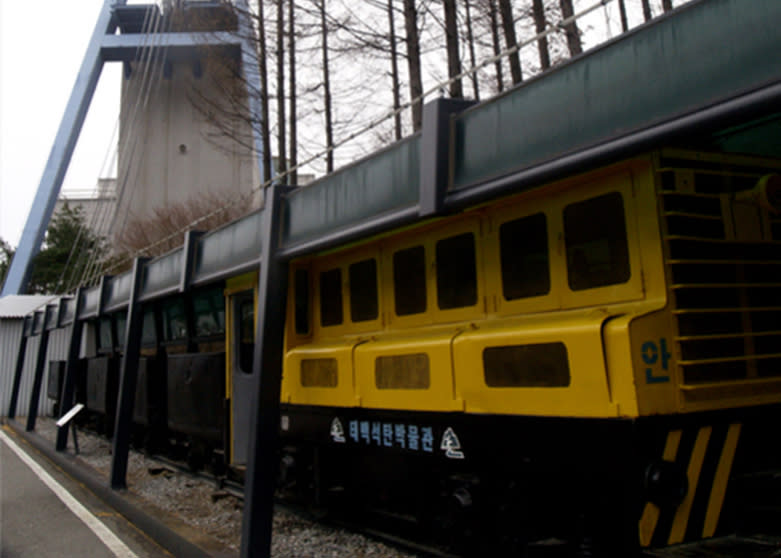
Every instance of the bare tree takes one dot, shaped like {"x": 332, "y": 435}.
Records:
{"x": 667, "y": 5}
{"x": 496, "y": 44}
{"x": 571, "y": 29}
{"x": 263, "y": 70}
{"x": 394, "y": 71}
{"x": 647, "y": 10}
{"x": 413, "y": 62}
{"x": 291, "y": 20}
{"x": 538, "y": 11}
{"x": 622, "y": 12}
{"x": 470, "y": 39}
{"x": 508, "y": 25}
{"x": 281, "y": 138}
{"x": 329, "y": 132}
{"x": 453, "y": 56}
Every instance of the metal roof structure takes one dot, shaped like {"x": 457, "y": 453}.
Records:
{"x": 19, "y": 306}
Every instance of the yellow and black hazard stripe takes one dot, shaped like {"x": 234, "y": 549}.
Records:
{"x": 706, "y": 454}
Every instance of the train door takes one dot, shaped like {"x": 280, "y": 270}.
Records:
{"x": 241, "y": 346}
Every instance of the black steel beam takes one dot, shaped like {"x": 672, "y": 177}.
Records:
{"x": 18, "y": 371}
{"x": 71, "y": 367}
{"x": 262, "y": 463}
{"x": 40, "y": 366}
{"x": 128, "y": 377}
{"x": 436, "y": 152}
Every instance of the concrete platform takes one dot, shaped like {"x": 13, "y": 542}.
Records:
{"x": 52, "y": 506}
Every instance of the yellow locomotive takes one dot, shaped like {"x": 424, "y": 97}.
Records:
{"x": 553, "y": 360}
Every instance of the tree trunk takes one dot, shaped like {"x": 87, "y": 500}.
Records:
{"x": 472, "y": 58}
{"x": 667, "y": 5}
{"x": 497, "y": 45}
{"x": 394, "y": 72}
{"x": 263, "y": 70}
{"x": 293, "y": 139}
{"x": 413, "y": 61}
{"x": 647, "y": 10}
{"x": 281, "y": 138}
{"x": 453, "y": 57}
{"x": 573, "y": 35}
{"x": 622, "y": 11}
{"x": 539, "y": 24}
{"x": 508, "y": 24}
{"x": 329, "y": 139}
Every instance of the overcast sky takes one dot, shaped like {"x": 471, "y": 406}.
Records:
{"x": 42, "y": 45}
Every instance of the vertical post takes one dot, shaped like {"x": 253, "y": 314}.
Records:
{"x": 435, "y": 152}
{"x": 128, "y": 376}
{"x": 267, "y": 363}
{"x": 71, "y": 367}
{"x": 19, "y": 368}
{"x": 40, "y": 366}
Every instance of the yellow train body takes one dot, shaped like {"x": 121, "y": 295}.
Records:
{"x": 542, "y": 339}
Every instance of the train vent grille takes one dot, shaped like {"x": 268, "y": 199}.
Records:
{"x": 724, "y": 277}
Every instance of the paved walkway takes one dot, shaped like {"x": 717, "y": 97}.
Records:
{"x": 45, "y": 514}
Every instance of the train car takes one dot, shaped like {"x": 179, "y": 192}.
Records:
{"x": 591, "y": 362}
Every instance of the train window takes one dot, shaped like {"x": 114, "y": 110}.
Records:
{"x": 319, "y": 372}
{"x": 331, "y": 297}
{"x": 121, "y": 318}
{"x": 246, "y": 333}
{"x": 363, "y": 290}
{"x": 523, "y": 247}
{"x": 149, "y": 330}
{"x": 409, "y": 281}
{"x": 595, "y": 234}
{"x": 539, "y": 365}
{"x": 456, "y": 271}
{"x": 174, "y": 320}
{"x": 209, "y": 310}
{"x": 105, "y": 336}
{"x": 302, "y": 301}
{"x": 402, "y": 372}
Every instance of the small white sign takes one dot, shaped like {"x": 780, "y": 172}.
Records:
{"x": 66, "y": 418}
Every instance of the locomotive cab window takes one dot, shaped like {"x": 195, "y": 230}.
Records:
{"x": 331, "y": 297}
{"x": 105, "y": 335}
{"x": 363, "y": 290}
{"x": 596, "y": 242}
{"x": 456, "y": 271}
{"x": 301, "y": 285}
{"x": 244, "y": 326}
{"x": 523, "y": 251}
{"x": 409, "y": 281}
{"x": 174, "y": 320}
{"x": 121, "y": 324}
{"x": 149, "y": 329}
{"x": 209, "y": 311}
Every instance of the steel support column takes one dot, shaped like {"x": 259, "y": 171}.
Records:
{"x": 40, "y": 366}
{"x": 59, "y": 157}
{"x": 128, "y": 377}
{"x": 19, "y": 369}
{"x": 71, "y": 368}
{"x": 262, "y": 463}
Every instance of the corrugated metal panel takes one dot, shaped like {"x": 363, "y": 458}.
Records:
{"x": 10, "y": 337}
{"x": 705, "y": 54}
{"x": 18, "y": 306}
